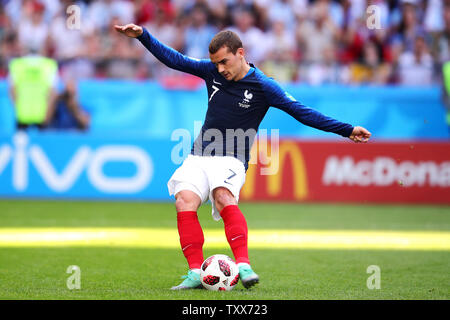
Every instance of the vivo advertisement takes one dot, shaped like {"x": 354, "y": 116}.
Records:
{"x": 74, "y": 166}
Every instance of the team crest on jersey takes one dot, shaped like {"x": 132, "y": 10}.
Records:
{"x": 246, "y": 101}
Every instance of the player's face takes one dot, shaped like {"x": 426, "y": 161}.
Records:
{"x": 228, "y": 64}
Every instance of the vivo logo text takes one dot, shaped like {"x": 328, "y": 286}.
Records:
{"x": 85, "y": 159}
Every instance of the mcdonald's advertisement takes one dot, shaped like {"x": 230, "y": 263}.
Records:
{"x": 92, "y": 166}
{"x": 376, "y": 172}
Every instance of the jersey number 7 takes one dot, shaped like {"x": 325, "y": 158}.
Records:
{"x": 214, "y": 92}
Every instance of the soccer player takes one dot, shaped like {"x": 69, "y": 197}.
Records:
{"x": 239, "y": 96}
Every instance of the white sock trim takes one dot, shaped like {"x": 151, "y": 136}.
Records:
{"x": 243, "y": 264}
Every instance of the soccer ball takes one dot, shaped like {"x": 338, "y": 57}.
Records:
{"x": 219, "y": 272}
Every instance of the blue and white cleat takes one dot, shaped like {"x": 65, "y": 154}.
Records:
{"x": 191, "y": 281}
{"x": 247, "y": 276}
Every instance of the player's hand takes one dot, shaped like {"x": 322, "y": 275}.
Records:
{"x": 130, "y": 30}
{"x": 360, "y": 134}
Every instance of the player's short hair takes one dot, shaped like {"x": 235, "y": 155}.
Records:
{"x": 225, "y": 38}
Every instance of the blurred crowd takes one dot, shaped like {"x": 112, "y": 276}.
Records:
{"x": 310, "y": 41}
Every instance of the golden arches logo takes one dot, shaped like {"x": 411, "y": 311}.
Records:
{"x": 275, "y": 168}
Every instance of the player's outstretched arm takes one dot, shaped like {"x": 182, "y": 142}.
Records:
{"x": 280, "y": 99}
{"x": 360, "y": 135}
{"x": 170, "y": 57}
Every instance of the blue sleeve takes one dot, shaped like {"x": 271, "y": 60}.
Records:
{"x": 172, "y": 58}
{"x": 282, "y": 100}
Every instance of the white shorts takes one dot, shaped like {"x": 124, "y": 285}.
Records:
{"x": 202, "y": 175}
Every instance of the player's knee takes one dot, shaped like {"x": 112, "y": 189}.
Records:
{"x": 187, "y": 201}
{"x": 223, "y": 197}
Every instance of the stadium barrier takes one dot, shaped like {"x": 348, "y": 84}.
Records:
{"x": 148, "y": 108}
{"x": 377, "y": 172}
{"x": 92, "y": 166}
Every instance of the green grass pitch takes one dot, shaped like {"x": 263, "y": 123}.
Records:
{"x": 109, "y": 271}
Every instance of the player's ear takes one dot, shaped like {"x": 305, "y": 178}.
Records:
{"x": 240, "y": 52}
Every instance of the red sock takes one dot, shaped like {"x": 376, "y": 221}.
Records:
{"x": 191, "y": 238}
{"x": 236, "y": 232}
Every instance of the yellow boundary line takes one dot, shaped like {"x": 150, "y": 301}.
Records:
{"x": 269, "y": 238}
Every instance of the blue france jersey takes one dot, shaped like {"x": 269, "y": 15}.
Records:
{"x": 236, "y": 108}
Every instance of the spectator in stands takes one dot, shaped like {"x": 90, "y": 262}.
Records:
{"x": 166, "y": 28}
{"x": 32, "y": 29}
{"x": 101, "y": 12}
{"x": 253, "y": 38}
{"x": 218, "y": 13}
{"x": 416, "y": 67}
{"x": 144, "y": 11}
{"x": 281, "y": 10}
{"x": 9, "y": 46}
{"x": 409, "y": 27}
{"x": 66, "y": 113}
{"x": 327, "y": 71}
{"x": 441, "y": 39}
{"x": 357, "y": 10}
{"x": 217, "y": 9}
{"x": 316, "y": 34}
{"x": 119, "y": 53}
{"x": 433, "y": 19}
{"x": 350, "y": 40}
{"x": 170, "y": 33}
{"x": 234, "y": 7}
{"x": 199, "y": 33}
{"x": 69, "y": 45}
{"x": 5, "y": 24}
{"x": 370, "y": 68}
{"x": 93, "y": 53}
{"x": 279, "y": 61}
